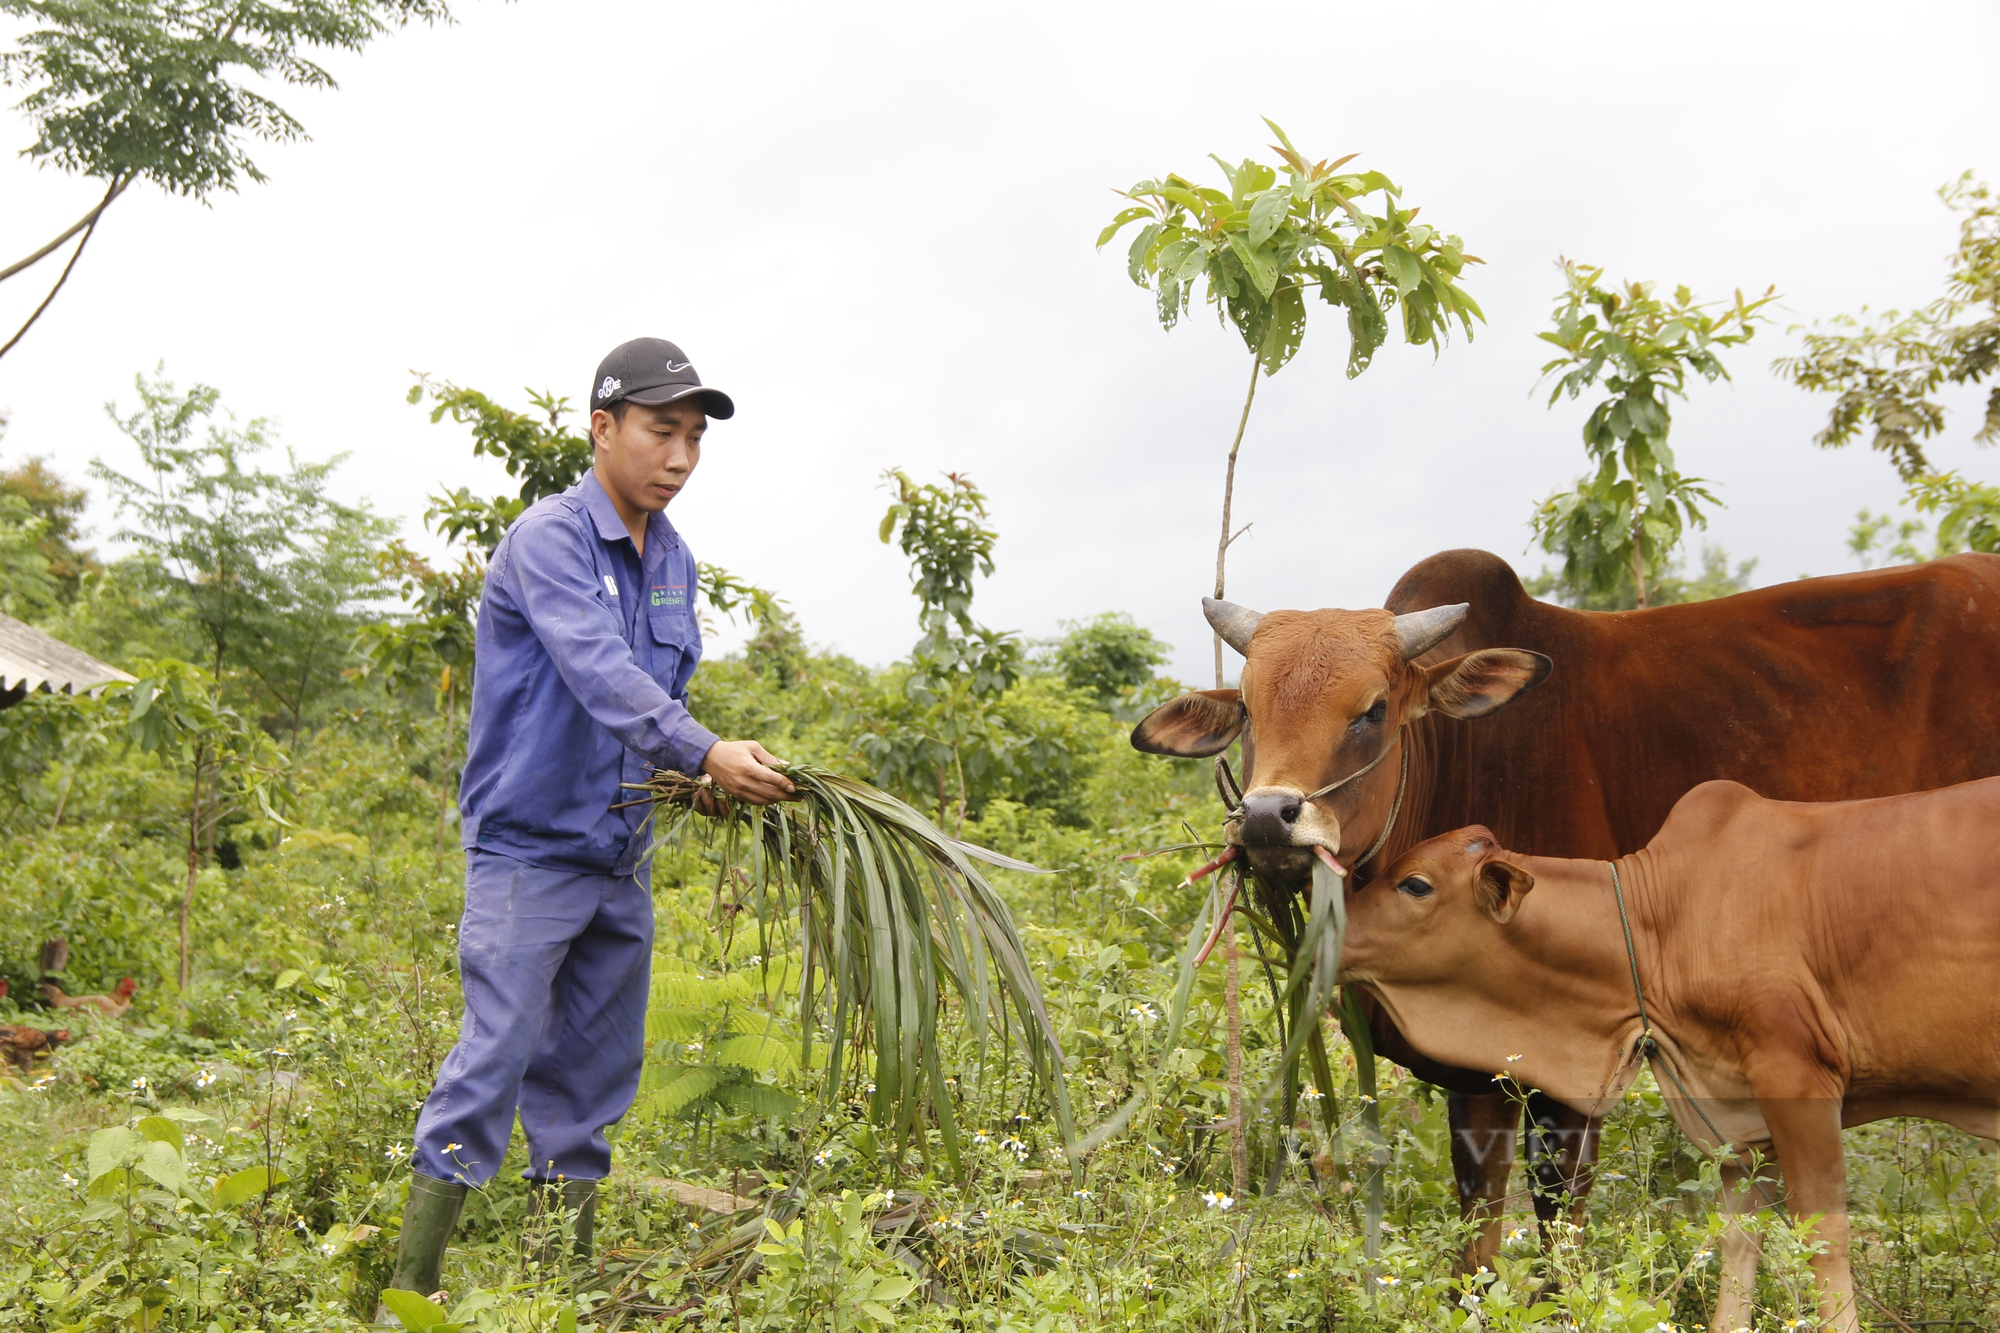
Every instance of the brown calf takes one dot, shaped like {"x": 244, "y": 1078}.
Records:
{"x": 1803, "y": 967}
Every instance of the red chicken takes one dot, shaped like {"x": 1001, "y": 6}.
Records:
{"x": 113, "y": 1005}
{"x": 22, "y": 1044}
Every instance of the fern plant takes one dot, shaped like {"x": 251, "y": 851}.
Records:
{"x": 716, "y": 1043}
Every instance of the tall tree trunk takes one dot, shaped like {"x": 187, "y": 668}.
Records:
{"x": 1239, "y": 1141}
{"x": 1228, "y": 498}
{"x": 214, "y": 779}
{"x": 964, "y": 797}
{"x": 89, "y": 227}
{"x": 195, "y": 809}
{"x": 1638, "y": 562}
{"x": 445, "y": 794}
{"x": 299, "y": 703}
{"x": 118, "y": 185}
{"x": 62, "y": 799}
{"x": 1239, "y": 1133}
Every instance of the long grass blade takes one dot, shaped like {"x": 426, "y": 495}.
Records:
{"x": 890, "y": 914}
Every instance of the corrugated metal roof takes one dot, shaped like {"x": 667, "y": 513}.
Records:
{"x": 32, "y": 660}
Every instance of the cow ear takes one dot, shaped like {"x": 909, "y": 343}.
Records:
{"x": 1484, "y": 682}
{"x": 1193, "y": 726}
{"x": 1501, "y": 887}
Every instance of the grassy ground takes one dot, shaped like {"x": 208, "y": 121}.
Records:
{"x": 326, "y": 997}
{"x": 236, "y": 1156}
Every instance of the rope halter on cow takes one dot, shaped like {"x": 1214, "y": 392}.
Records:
{"x": 1225, "y": 783}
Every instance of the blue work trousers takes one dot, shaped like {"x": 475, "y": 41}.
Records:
{"x": 556, "y": 967}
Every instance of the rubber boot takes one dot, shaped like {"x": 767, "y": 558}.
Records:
{"x": 578, "y": 1197}
{"x": 429, "y": 1218}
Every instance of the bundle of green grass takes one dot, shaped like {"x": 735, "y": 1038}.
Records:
{"x": 888, "y": 911}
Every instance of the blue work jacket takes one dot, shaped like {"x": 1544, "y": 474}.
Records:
{"x": 584, "y": 657}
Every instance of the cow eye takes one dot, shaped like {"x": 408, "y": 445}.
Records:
{"x": 1416, "y": 886}
{"x": 1374, "y": 714}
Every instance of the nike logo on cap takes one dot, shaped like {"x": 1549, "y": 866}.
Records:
{"x": 673, "y": 369}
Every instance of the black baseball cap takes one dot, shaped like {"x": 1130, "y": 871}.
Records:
{"x": 652, "y": 371}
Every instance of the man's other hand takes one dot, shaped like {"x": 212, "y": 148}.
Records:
{"x": 747, "y": 771}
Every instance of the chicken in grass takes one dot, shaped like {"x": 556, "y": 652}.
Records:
{"x": 21, "y": 1043}
{"x": 113, "y": 1005}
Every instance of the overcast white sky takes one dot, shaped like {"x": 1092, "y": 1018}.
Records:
{"x": 872, "y": 224}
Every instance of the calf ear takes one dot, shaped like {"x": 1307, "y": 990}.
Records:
{"x": 1501, "y": 887}
{"x": 1484, "y": 682}
{"x": 1193, "y": 726}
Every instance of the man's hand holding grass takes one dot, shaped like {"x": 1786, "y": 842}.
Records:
{"x": 747, "y": 771}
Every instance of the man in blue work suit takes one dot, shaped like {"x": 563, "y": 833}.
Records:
{"x": 587, "y": 638}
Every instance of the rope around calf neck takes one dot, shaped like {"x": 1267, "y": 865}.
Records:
{"x": 1649, "y": 1045}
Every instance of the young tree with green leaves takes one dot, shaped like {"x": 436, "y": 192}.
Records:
{"x": 39, "y": 496}
{"x": 538, "y": 447}
{"x": 175, "y": 712}
{"x": 1261, "y": 246}
{"x": 959, "y": 668}
{"x": 1886, "y": 371}
{"x": 171, "y": 91}
{"x": 27, "y": 588}
{"x": 270, "y": 570}
{"x": 1624, "y": 520}
{"x": 1108, "y": 657}
{"x": 1258, "y": 248}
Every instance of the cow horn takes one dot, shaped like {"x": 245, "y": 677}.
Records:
{"x": 1234, "y": 623}
{"x": 1421, "y": 631}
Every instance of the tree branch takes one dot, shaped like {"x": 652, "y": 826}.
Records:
{"x": 88, "y": 231}
{"x": 88, "y": 219}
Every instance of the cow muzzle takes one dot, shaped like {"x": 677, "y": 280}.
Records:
{"x": 1283, "y": 817}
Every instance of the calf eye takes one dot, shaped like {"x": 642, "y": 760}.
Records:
{"x": 1416, "y": 886}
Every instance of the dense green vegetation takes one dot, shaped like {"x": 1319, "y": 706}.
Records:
{"x": 232, "y": 1153}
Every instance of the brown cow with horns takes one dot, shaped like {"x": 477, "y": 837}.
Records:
{"x": 1838, "y": 688}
